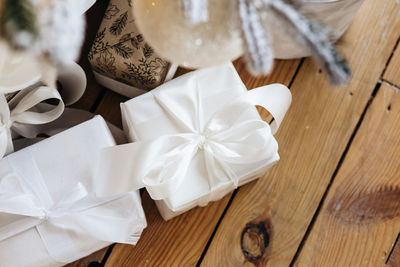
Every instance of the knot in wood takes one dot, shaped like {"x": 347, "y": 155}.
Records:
{"x": 254, "y": 241}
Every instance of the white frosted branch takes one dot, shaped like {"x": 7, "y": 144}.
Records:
{"x": 258, "y": 53}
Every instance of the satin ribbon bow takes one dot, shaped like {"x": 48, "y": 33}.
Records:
{"x": 231, "y": 144}
{"x": 22, "y": 118}
{"x": 76, "y": 214}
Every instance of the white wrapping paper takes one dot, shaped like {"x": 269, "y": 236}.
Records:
{"x": 62, "y": 217}
{"x": 198, "y": 137}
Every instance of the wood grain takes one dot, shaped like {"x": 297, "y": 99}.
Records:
{"x": 360, "y": 219}
{"x": 181, "y": 241}
{"x": 109, "y": 107}
{"x": 392, "y": 73}
{"x": 394, "y": 259}
{"x": 314, "y": 135}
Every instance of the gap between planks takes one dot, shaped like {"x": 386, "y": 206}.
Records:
{"x": 393, "y": 258}
{"x": 369, "y": 55}
{"x": 95, "y": 106}
{"x": 342, "y": 158}
{"x": 235, "y": 192}
{"x": 157, "y": 237}
{"x": 377, "y": 87}
{"x": 358, "y": 222}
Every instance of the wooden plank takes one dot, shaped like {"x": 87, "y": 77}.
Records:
{"x": 178, "y": 242}
{"x": 109, "y": 107}
{"x": 181, "y": 241}
{"x": 394, "y": 258}
{"x": 360, "y": 219}
{"x": 268, "y": 218}
{"x": 392, "y": 73}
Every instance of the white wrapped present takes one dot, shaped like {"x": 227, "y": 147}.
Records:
{"x": 197, "y": 138}
{"x": 51, "y": 212}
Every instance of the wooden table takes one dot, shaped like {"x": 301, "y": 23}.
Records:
{"x": 332, "y": 200}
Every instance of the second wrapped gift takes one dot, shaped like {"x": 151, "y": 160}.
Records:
{"x": 51, "y": 206}
{"x": 197, "y": 138}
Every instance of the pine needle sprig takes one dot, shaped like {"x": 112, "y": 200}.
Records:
{"x": 18, "y": 22}
{"x": 123, "y": 50}
{"x": 119, "y": 24}
{"x": 315, "y": 38}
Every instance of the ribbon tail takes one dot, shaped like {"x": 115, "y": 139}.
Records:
{"x": 119, "y": 161}
{"x": 18, "y": 227}
{"x": 218, "y": 171}
{"x": 159, "y": 165}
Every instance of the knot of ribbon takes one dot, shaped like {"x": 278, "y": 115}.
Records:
{"x": 228, "y": 147}
{"x": 202, "y": 141}
{"x": 230, "y": 144}
{"x": 20, "y": 116}
{"x": 75, "y": 213}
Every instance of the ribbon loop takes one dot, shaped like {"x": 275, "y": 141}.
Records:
{"x": 22, "y": 117}
{"x": 275, "y": 98}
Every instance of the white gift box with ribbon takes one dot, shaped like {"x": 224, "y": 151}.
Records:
{"x": 51, "y": 211}
{"x": 197, "y": 137}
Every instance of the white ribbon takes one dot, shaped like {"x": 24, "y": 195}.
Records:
{"x": 77, "y": 214}
{"x": 230, "y": 145}
{"x": 22, "y": 116}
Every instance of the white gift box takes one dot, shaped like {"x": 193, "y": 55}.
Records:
{"x": 51, "y": 208}
{"x": 198, "y": 137}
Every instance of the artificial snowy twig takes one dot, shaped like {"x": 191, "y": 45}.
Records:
{"x": 62, "y": 29}
{"x": 315, "y": 38}
{"x": 258, "y": 53}
{"x": 18, "y": 22}
{"x": 195, "y": 11}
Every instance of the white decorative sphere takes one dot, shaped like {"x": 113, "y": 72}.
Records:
{"x": 194, "y": 46}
